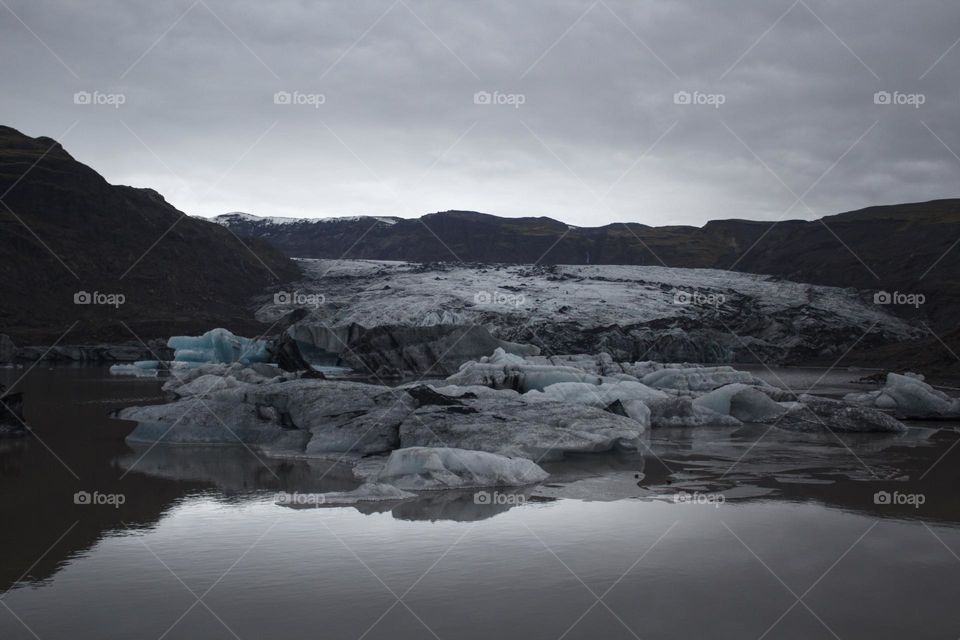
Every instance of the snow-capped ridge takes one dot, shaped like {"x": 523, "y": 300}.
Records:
{"x": 233, "y": 216}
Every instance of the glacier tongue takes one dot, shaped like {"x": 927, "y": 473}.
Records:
{"x": 629, "y": 312}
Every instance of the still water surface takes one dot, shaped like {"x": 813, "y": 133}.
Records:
{"x": 775, "y": 535}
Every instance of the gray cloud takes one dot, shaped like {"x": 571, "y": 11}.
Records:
{"x": 598, "y": 137}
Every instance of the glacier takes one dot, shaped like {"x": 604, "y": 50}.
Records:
{"x": 632, "y": 313}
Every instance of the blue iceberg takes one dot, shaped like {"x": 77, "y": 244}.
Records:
{"x": 219, "y": 346}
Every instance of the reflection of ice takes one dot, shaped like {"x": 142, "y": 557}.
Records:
{"x": 236, "y": 469}
{"x": 749, "y": 463}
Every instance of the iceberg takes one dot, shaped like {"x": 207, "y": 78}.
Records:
{"x": 698, "y": 378}
{"x": 742, "y": 402}
{"x": 633, "y": 397}
{"x": 814, "y": 413}
{"x": 219, "y": 345}
{"x": 503, "y": 370}
{"x": 909, "y": 397}
{"x": 536, "y": 430}
{"x": 139, "y": 369}
{"x": 430, "y": 468}
{"x": 680, "y": 411}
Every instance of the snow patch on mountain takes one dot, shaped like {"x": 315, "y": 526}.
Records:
{"x": 227, "y": 218}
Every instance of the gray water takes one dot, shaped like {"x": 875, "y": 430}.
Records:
{"x": 719, "y": 533}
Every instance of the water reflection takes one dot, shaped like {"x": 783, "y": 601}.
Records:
{"x": 80, "y": 449}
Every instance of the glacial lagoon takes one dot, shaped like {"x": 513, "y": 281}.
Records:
{"x": 707, "y": 532}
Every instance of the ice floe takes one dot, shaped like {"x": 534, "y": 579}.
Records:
{"x": 909, "y": 397}
{"x": 219, "y": 345}
{"x": 490, "y": 423}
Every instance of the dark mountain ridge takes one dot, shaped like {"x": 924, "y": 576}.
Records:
{"x": 64, "y": 231}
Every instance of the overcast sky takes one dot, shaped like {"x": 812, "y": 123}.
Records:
{"x": 583, "y": 122}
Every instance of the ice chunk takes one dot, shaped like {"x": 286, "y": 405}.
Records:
{"x": 632, "y": 396}
{"x": 471, "y": 391}
{"x": 741, "y": 401}
{"x": 910, "y": 397}
{"x": 297, "y": 417}
{"x": 204, "y": 379}
{"x": 502, "y": 357}
{"x": 213, "y": 421}
{"x": 698, "y": 378}
{"x": 813, "y": 413}
{"x": 649, "y": 407}
{"x": 680, "y": 411}
{"x": 535, "y": 430}
{"x": 218, "y": 345}
{"x": 139, "y": 369}
{"x": 425, "y": 468}
{"x": 506, "y": 371}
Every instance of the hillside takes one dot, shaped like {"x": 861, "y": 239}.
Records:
{"x": 66, "y": 230}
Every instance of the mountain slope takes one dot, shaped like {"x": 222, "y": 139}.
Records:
{"x": 66, "y": 230}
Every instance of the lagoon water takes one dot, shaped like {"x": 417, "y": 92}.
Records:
{"x": 720, "y": 533}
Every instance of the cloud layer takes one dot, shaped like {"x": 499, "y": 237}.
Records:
{"x": 590, "y": 112}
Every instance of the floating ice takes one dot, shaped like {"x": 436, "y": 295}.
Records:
{"x": 741, "y": 401}
{"x": 910, "y": 397}
{"x": 813, "y": 413}
{"x": 507, "y": 371}
{"x": 698, "y": 378}
{"x": 632, "y": 396}
{"x": 425, "y": 468}
{"x": 139, "y": 369}
{"x": 537, "y": 430}
{"x": 218, "y": 345}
